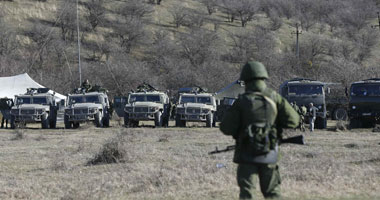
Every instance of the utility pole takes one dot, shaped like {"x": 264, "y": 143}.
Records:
{"x": 297, "y": 33}
{"x": 378, "y": 20}
{"x": 79, "y": 65}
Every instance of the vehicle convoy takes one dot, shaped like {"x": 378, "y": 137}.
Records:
{"x": 195, "y": 106}
{"x": 147, "y": 104}
{"x": 87, "y": 106}
{"x": 364, "y": 103}
{"x": 305, "y": 91}
{"x": 35, "y": 106}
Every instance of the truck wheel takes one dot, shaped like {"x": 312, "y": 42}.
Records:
{"x": 98, "y": 120}
{"x": 67, "y": 122}
{"x": 126, "y": 120}
{"x": 340, "y": 114}
{"x": 13, "y": 122}
{"x": 158, "y": 119}
{"x": 209, "y": 120}
{"x": 179, "y": 122}
{"x": 45, "y": 121}
{"x": 76, "y": 125}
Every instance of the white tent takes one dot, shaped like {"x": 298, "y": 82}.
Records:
{"x": 15, "y": 85}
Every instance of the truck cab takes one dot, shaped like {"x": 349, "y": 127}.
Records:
{"x": 364, "y": 103}
{"x": 305, "y": 91}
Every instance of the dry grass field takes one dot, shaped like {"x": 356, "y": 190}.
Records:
{"x": 172, "y": 163}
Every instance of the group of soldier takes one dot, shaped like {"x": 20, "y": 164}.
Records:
{"x": 304, "y": 112}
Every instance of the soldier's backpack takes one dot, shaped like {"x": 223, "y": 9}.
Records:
{"x": 260, "y": 137}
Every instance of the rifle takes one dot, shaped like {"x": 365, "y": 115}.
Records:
{"x": 299, "y": 139}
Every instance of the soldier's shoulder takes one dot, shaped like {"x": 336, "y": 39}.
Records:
{"x": 269, "y": 92}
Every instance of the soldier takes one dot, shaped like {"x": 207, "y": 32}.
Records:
{"x": 303, "y": 112}
{"x": 312, "y": 116}
{"x": 86, "y": 86}
{"x": 6, "y": 105}
{"x": 246, "y": 120}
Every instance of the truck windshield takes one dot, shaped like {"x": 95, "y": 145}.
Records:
{"x": 305, "y": 89}
{"x": 23, "y": 100}
{"x": 84, "y": 99}
{"x": 141, "y": 98}
{"x": 39, "y": 100}
{"x": 365, "y": 90}
{"x": 193, "y": 99}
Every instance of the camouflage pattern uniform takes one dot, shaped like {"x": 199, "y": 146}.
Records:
{"x": 238, "y": 117}
{"x": 302, "y": 113}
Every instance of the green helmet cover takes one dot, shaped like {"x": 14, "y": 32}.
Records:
{"x": 253, "y": 70}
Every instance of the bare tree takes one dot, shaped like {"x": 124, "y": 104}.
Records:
{"x": 211, "y": 5}
{"x": 135, "y": 9}
{"x": 179, "y": 15}
{"x": 198, "y": 46}
{"x": 96, "y": 12}
{"x": 66, "y": 19}
{"x": 129, "y": 34}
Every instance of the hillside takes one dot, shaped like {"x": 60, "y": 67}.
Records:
{"x": 179, "y": 43}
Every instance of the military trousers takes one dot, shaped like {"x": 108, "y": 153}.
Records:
{"x": 269, "y": 179}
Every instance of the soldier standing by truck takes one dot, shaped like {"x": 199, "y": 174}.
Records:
{"x": 312, "y": 115}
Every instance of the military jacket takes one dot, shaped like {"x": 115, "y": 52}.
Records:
{"x": 238, "y": 118}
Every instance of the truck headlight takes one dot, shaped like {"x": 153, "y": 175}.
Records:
{"x": 205, "y": 111}
{"x": 128, "y": 109}
{"x": 353, "y": 107}
{"x": 40, "y": 111}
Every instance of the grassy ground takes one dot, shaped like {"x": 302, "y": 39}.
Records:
{"x": 172, "y": 163}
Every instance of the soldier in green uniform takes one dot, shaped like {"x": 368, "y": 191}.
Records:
{"x": 86, "y": 86}
{"x": 302, "y": 113}
{"x": 245, "y": 118}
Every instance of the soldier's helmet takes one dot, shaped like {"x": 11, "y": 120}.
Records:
{"x": 253, "y": 70}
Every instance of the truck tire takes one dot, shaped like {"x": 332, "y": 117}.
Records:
{"x": 13, "y": 122}
{"x": 158, "y": 119}
{"x": 340, "y": 114}
{"x": 67, "y": 122}
{"x": 98, "y": 120}
{"x": 179, "y": 122}
{"x": 209, "y": 120}
{"x": 76, "y": 125}
{"x": 45, "y": 121}
{"x": 126, "y": 120}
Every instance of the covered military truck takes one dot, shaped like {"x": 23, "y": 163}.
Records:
{"x": 364, "y": 103}
{"x": 196, "y": 106}
{"x": 147, "y": 104}
{"x": 305, "y": 91}
{"x": 35, "y": 106}
{"x": 85, "y": 107}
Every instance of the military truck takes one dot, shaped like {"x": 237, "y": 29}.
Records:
{"x": 305, "y": 91}
{"x": 196, "y": 106}
{"x": 364, "y": 103}
{"x": 87, "y": 106}
{"x": 147, "y": 104}
{"x": 35, "y": 106}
